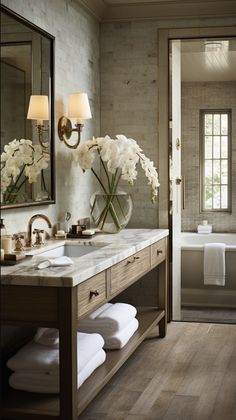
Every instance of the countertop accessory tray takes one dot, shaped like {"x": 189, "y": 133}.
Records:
{"x": 78, "y": 236}
{"x": 12, "y": 259}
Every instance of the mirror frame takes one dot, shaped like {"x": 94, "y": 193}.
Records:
{"x": 51, "y": 38}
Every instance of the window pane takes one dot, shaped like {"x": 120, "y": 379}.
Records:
{"x": 216, "y": 172}
{"x": 224, "y": 146}
{"x": 216, "y": 197}
{"x": 208, "y": 172}
{"x": 224, "y": 171}
{"x": 208, "y": 197}
{"x": 208, "y": 123}
{"x": 208, "y": 147}
{"x": 224, "y": 197}
{"x": 216, "y": 147}
{"x": 224, "y": 124}
{"x": 216, "y": 123}
{"x": 215, "y": 160}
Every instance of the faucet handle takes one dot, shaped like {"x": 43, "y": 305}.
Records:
{"x": 39, "y": 236}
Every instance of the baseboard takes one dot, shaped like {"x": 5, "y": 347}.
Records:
{"x": 208, "y": 297}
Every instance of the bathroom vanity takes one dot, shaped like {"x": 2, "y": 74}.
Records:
{"x": 60, "y": 296}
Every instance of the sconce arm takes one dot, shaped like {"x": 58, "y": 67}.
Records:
{"x": 41, "y": 130}
{"x": 65, "y": 130}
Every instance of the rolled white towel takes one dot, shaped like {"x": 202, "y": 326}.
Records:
{"x": 121, "y": 338}
{"x": 109, "y": 319}
{"x": 37, "y": 357}
{"x": 48, "y": 383}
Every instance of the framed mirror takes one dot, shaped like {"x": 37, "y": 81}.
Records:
{"x": 27, "y": 113}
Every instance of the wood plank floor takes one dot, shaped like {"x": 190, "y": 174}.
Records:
{"x": 189, "y": 375}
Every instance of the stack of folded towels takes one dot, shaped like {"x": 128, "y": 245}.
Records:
{"x": 115, "y": 322}
{"x": 36, "y": 365}
{"x": 204, "y": 228}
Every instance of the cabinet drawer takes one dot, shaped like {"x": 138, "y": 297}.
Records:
{"x": 158, "y": 252}
{"x": 123, "y": 273}
{"x": 91, "y": 293}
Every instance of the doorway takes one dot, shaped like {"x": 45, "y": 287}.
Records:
{"x": 184, "y": 46}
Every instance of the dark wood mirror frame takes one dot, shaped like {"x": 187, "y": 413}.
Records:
{"x": 51, "y": 39}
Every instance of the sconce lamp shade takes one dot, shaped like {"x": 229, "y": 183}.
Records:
{"x": 79, "y": 106}
{"x": 38, "y": 108}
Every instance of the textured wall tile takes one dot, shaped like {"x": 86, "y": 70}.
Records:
{"x": 129, "y": 100}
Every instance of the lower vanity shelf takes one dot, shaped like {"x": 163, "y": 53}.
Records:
{"x": 24, "y": 405}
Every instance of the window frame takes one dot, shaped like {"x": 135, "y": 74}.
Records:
{"x": 202, "y": 114}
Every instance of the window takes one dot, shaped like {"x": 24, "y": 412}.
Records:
{"x": 215, "y": 158}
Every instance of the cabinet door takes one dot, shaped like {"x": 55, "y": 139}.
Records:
{"x": 127, "y": 271}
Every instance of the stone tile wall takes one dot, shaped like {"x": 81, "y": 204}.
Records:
{"x": 129, "y": 93}
{"x": 196, "y": 96}
{"x": 129, "y": 100}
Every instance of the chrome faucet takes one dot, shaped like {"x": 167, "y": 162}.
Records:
{"x": 29, "y": 228}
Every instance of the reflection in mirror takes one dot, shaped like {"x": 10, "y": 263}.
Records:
{"x": 27, "y": 172}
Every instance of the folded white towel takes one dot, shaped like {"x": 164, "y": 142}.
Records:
{"x": 53, "y": 262}
{"x": 121, "y": 338}
{"x": 108, "y": 320}
{"x": 36, "y": 357}
{"x": 214, "y": 264}
{"x": 204, "y": 229}
{"x": 49, "y": 383}
{"x": 47, "y": 336}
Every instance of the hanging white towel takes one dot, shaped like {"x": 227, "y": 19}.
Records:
{"x": 214, "y": 264}
{"x": 121, "y": 338}
{"x": 37, "y": 357}
{"x": 108, "y": 319}
{"x": 48, "y": 383}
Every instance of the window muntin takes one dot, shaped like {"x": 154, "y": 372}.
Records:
{"x": 215, "y": 174}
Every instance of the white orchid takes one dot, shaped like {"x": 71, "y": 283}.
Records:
{"x": 21, "y": 161}
{"x": 119, "y": 158}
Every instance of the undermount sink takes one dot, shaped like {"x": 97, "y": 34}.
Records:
{"x": 74, "y": 251}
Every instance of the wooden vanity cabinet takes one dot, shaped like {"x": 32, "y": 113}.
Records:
{"x": 62, "y": 307}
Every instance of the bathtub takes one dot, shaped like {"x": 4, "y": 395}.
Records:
{"x": 193, "y": 290}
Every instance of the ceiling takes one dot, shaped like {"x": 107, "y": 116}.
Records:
{"x": 208, "y": 60}
{"x": 121, "y": 10}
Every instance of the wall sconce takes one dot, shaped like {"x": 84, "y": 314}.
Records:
{"x": 78, "y": 108}
{"x": 38, "y": 110}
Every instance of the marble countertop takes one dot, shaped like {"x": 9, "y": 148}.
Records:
{"x": 111, "y": 248}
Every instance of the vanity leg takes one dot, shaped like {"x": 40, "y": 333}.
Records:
{"x": 68, "y": 353}
{"x": 163, "y": 297}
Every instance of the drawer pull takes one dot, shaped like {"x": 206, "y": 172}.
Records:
{"x": 93, "y": 293}
{"x": 159, "y": 251}
{"x": 133, "y": 260}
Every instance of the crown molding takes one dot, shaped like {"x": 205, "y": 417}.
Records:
{"x": 95, "y": 7}
{"x": 109, "y": 10}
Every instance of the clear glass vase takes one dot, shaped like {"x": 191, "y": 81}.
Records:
{"x": 111, "y": 212}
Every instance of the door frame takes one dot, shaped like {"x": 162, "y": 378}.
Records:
{"x": 164, "y": 36}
